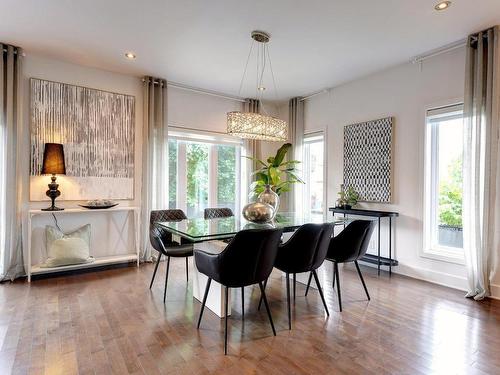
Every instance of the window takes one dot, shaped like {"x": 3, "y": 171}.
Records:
{"x": 443, "y": 192}
{"x": 204, "y": 171}
{"x": 313, "y": 172}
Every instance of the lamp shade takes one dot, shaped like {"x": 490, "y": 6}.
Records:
{"x": 53, "y": 159}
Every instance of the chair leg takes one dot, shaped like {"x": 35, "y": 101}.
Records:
{"x": 156, "y": 269}
{"x": 225, "y": 319}
{"x": 260, "y": 301}
{"x": 187, "y": 270}
{"x": 320, "y": 291}
{"x": 362, "y": 280}
{"x": 207, "y": 288}
{"x": 166, "y": 280}
{"x": 309, "y": 283}
{"x": 294, "y": 285}
{"x": 243, "y": 302}
{"x": 334, "y": 273}
{"x": 335, "y": 264}
{"x": 263, "y": 294}
{"x": 288, "y": 301}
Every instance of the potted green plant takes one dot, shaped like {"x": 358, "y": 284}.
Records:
{"x": 348, "y": 198}
{"x": 275, "y": 175}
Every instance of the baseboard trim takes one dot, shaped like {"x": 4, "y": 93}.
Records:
{"x": 495, "y": 291}
{"x": 441, "y": 278}
{"x": 435, "y": 277}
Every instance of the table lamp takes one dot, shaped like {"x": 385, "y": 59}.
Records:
{"x": 53, "y": 163}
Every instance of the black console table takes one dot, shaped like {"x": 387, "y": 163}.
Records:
{"x": 378, "y": 260}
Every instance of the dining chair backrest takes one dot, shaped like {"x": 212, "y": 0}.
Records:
{"x": 249, "y": 257}
{"x": 306, "y": 249}
{"x": 214, "y": 213}
{"x": 352, "y": 243}
{"x": 159, "y": 236}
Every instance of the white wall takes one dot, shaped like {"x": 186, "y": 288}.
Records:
{"x": 404, "y": 92}
{"x": 188, "y": 109}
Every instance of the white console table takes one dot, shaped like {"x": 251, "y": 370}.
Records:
{"x": 99, "y": 261}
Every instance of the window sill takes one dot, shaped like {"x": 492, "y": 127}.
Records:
{"x": 444, "y": 254}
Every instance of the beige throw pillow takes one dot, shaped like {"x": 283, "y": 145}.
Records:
{"x": 66, "y": 249}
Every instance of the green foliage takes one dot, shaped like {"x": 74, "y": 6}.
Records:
{"x": 450, "y": 195}
{"x": 226, "y": 174}
{"x": 348, "y": 197}
{"x": 276, "y": 172}
{"x": 172, "y": 173}
{"x": 197, "y": 174}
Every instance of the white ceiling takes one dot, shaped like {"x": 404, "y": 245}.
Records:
{"x": 204, "y": 43}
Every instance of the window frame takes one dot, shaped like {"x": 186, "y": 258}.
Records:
{"x": 311, "y": 136}
{"x": 431, "y": 166}
{"x": 212, "y": 139}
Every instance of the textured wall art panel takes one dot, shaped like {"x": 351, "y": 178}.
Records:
{"x": 97, "y": 129}
{"x": 367, "y": 159}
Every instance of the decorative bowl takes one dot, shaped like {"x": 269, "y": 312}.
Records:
{"x": 99, "y": 204}
{"x": 258, "y": 212}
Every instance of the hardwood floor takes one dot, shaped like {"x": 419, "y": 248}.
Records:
{"x": 110, "y": 322}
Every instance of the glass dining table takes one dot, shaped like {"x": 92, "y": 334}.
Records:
{"x": 201, "y": 230}
{"x": 207, "y": 234}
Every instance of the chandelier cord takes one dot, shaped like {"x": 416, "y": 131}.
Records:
{"x": 260, "y": 93}
{"x": 257, "y": 69}
{"x": 246, "y": 67}
{"x": 272, "y": 74}
{"x": 261, "y": 79}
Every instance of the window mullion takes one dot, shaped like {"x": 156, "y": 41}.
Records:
{"x": 212, "y": 176}
{"x": 182, "y": 176}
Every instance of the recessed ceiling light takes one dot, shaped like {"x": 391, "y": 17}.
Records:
{"x": 261, "y": 88}
{"x": 130, "y": 55}
{"x": 442, "y": 5}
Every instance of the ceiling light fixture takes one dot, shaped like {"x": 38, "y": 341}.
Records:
{"x": 130, "y": 55}
{"x": 442, "y": 5}
{"x": 255, "y": 125}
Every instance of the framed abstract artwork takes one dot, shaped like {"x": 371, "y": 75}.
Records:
{"x": 97, "y": 129}
{"x": 368, "y": 159}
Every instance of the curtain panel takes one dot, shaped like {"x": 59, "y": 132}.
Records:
{"x": 296, "y": 135}
{"x": 251, "y": 148}
{"x": 154, "y": 190}
{"x": 11, "y": 155}
{"x": 481, "y": 185}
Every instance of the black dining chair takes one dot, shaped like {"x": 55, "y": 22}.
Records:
{"x": 248, "y": 259}
{"x": 214, "y": 213}
{"x": 305, "y": 251}
{"x": 161, "y": 241}
{"x": 348, "y": 246}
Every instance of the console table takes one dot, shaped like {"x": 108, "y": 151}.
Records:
{"x": 378, "y": 260}
{"x": 99, "y": 261}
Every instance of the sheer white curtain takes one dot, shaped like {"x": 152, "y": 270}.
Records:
{"x": 296, "y": 131}
{"x": 251, "y": 148}
{"x": 481, "y": 166}
{"x": 11, "y": 257}
{"x": 154, "y": 192}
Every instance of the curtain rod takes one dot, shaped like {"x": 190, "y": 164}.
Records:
{"x": 313, "y": 94}
{"x": 200, "y": 91}
{"x": 439, "y": 51}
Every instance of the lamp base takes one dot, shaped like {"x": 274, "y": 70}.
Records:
{"x": 53, "y": 209}
{"x": 53, "y": 193}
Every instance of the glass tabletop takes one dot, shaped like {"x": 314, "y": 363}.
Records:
{"x": 199, "y": 229}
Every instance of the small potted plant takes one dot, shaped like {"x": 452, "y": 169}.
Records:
{"x": 347, "y": 198}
